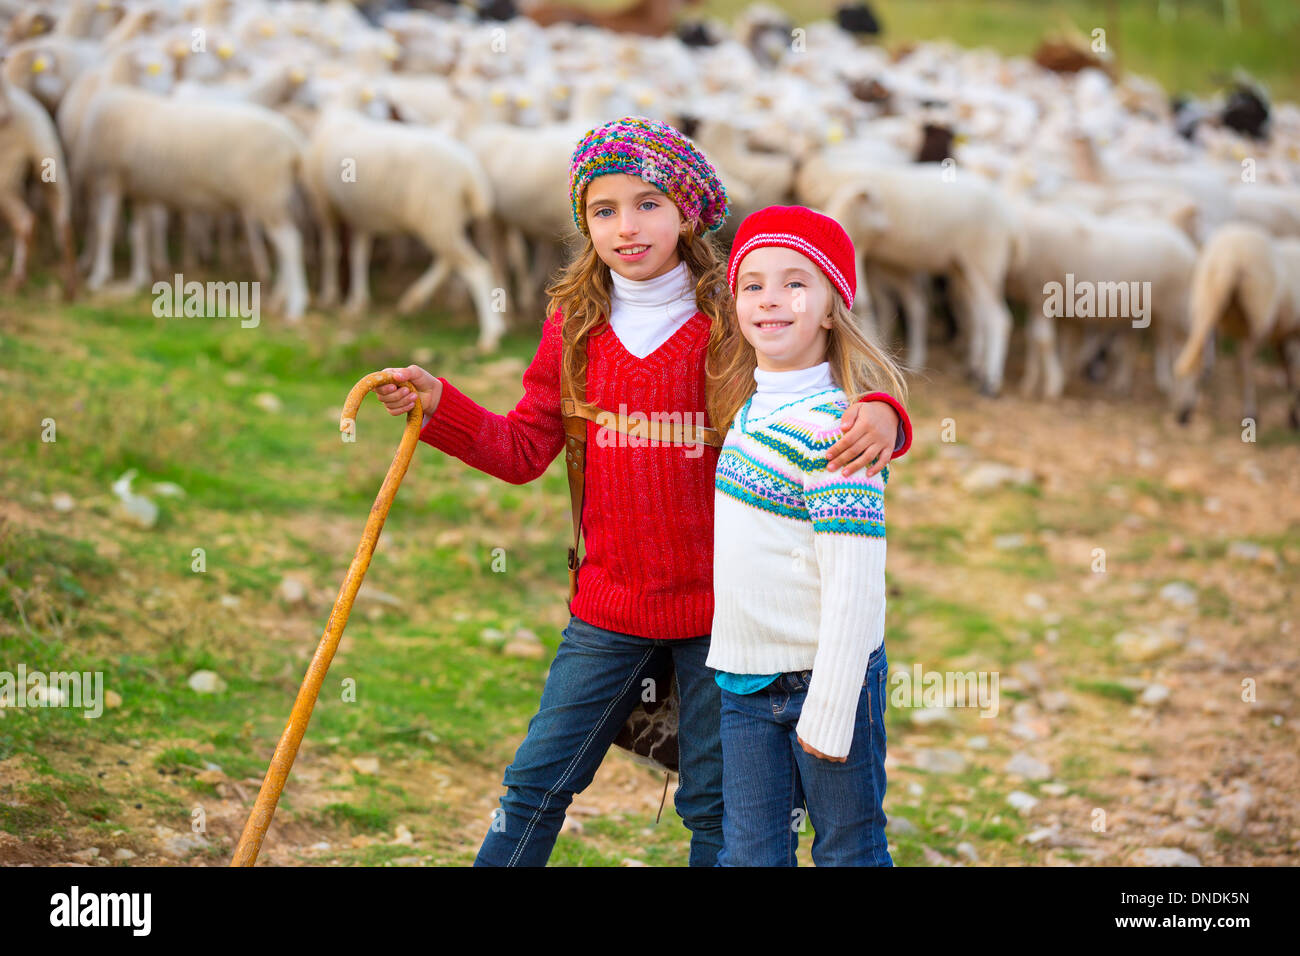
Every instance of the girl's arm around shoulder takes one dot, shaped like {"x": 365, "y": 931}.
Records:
{"x": 876, "y": 431}
{"x": 904, "y": 439}
{"x": 518, "y": 446}
{"x": 848, "y": 522}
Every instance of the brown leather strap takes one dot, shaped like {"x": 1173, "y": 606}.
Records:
{"x": 663, "y": 430}
{"x": 575, "y": 462}
{"x": 576, "y": 412}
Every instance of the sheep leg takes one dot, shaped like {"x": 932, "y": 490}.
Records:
{"x": 86, "y": 260}
{"x": 1125, "y": 352}
{"x": 224, "y": 225}
{"x": 1166, "y": 348}
{"x": 492, "y": 234}
{"x": 1045, "y": 357}
{"x": 189, "y": 242}
{"x": 423, "y": 288}
{"x": 23, "y": 222}
{"x": 328, "y": 246}
{"x": 1080, "y": 347}
{"x": 963, "y": 308}
{"x": 877, "y": 300}
{"x": 106, "y": 212}
{"x": 546, "y": 258}
{"x": 68, "y": 251}
{"x": 291, "y": 279}
{"x": 359, "y": 275}
{"x": 517, "y": 256}
{"x": 61, "y": 215}
{"x": 159, "y": 259}
{"x": 206, "y": 225}
{"x": 1291, "y": 361}
{"x": 138, "y": 234}
{"x": 1033, "y": 362}
{"x": 992, "y": 322}
{"x": 476, "y": 272}
{"x": 914, "y": 308}
{"x": 1245, "y": 367}
{"x": 882, "y": 303}
{"x": 256, "y": 248}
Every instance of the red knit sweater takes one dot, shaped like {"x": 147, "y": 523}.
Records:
{"x": 647, "y": 517}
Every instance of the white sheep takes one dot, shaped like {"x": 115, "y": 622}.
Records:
{"x": 1273, "y": 208}
{"x": 30, "y": 144}
{"x": 530, "y": 200}
{"x": 1246, "y": 284}
{"x": 913, "y": 219}
{"x": 193, "y": 155}
{"x": 1133, "y": 269}
{"x": 383, "y": 177}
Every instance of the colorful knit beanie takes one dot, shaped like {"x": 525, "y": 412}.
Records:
{"x": 819, "y": 237}
{"x": 658, "y": 154}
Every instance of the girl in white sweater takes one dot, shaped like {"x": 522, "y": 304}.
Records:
{"x": 799, "y": 557}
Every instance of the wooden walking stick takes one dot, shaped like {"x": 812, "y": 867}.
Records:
{"x": 250, "y": 842}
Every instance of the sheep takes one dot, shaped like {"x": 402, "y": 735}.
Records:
{"x": 27, "y": 24}
{"x": 530, "y": 200}
{"x": 1246, "y": 284}
{"x": 193, "y": 155}
{"x": 383, "y": 177}
{"x": 29, "y": 142}
{"x": 1276, "y": 209}
{"x": 1168, "y": 203}
{"x": 45, "y": 66}
{"x": 769, "y": 175}
{"x": 269, "y": 84}
{"x": 1067, "y": 246}
{"x": 909, "y": 219}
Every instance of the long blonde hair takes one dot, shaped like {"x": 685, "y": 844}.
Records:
{"x": 858, "y": 363}
{"x": 582, "y": 291}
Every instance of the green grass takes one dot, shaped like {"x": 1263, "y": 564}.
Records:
{"x": 89, "y": 591}
{"x": 1194, "y": 53}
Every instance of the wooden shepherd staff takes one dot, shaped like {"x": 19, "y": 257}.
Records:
{"x": 250, "y": 842}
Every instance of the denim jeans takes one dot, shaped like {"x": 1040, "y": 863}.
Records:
{"x": 769, "y": 782}
{"x": 594, "y": 683}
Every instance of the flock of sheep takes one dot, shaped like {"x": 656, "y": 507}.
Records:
{"x": 217, "y": 123}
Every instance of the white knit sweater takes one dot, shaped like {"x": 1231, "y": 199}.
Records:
{"x": 798, "y": 553}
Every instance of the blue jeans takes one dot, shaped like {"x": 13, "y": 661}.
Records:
{"x": 594, "y": 684}
{"x": 768, "y": 779}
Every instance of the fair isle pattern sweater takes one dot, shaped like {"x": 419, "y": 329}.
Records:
{"x": 799, "y": 561}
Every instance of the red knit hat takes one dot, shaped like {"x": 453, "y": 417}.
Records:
{"x": 819, "y": 237}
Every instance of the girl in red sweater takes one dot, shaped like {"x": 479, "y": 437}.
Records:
{"x": 648, "y": 296}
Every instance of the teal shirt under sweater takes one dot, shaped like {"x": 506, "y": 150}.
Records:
{"x": 743, "y": 683}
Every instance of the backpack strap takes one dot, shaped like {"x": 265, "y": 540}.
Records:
{"x": 575, "y": 461}
{"x": 576, "y": 412}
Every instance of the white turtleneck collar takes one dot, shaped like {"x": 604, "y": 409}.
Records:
{"x": 644, "y": 313}
{"x": 778, "y": 388}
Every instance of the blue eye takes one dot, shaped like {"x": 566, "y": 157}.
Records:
{"x": 795, "y": 282}
{"x": 748, "y": 287}
{"x": 651, "y": 202}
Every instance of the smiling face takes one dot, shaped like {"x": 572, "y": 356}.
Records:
{"x": 783, "y": 302}
{"x": 633, "y": 225}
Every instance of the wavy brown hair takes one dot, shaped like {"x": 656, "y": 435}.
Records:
{"x": 582, "y": 290}
{"x": 858, "y": 363}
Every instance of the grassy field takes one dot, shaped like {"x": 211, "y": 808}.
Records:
{"x": 408, "y": 772}
{"x": 1195, "y": 51}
